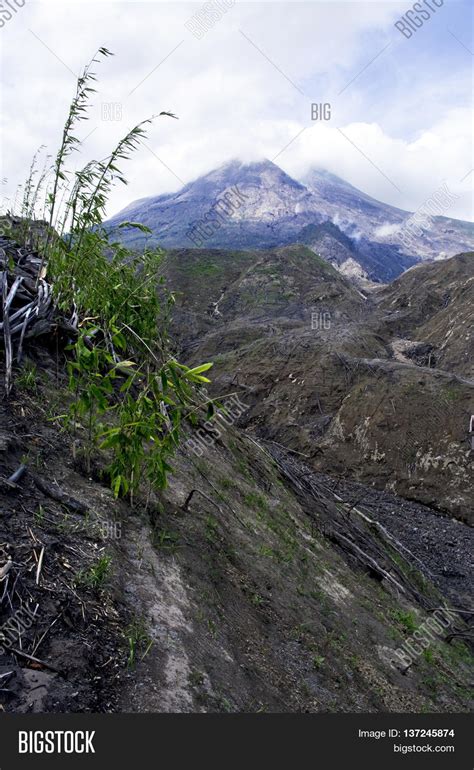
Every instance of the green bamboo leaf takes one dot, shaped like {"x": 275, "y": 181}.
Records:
{"x": 199, "y": 369}
{"x": 136, "y": 225}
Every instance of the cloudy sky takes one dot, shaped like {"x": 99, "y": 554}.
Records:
{"x": 401, "y": 114}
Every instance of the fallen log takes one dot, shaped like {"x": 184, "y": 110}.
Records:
{"x": 56, "y": 493}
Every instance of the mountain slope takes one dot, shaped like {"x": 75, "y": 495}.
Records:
{"x": 358, "y": 259}
{"x": 343, "y": 203}
{"x": 252, "y": 582}
{"x": 322, "y": 370}
{"x": 434, "y": 307}
{"x": 272, "y": 209}
{"x": 261, "y": 592}
{"x": 363, "y": 217}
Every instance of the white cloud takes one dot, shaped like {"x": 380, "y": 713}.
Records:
{"x": 386, "y": 230}
{"x": 231, "y": 101}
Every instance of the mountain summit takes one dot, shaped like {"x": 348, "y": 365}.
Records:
{"x": 269, "y": 208}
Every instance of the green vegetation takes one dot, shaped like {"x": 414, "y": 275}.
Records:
{"x": 27, "y": 378}
{"x": 212, "y": 529}
{"x": 429, "y": 655}
{"x": 206, "y": 269}
{"x": 255, "y": 501}
{"x": 39, "y": 516}
{"x": 96, "y": 575}
{"x": 406, "y": 619}
{"x": 196, "y": 678}
{"x": 165, "y": 540}
{"x": 226, "y": 483}
{"x": 129, "y": 395}
{"x": 257, "y": 600}
{"x": 243, "y": 467}
{"x": 139, "y": 641}
{"x": 450, "y": 394}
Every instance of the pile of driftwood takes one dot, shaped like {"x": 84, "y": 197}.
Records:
{"x": 27, "y": 306}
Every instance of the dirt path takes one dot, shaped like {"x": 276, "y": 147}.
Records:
{"x": 157, "y": 591}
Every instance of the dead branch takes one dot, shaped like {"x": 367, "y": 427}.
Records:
{"x": 27, "y": 305}
{"x": 40, "y": 662}
{"x": 40, "y": 565}
{"x": 56, "y": 493}
{"x": 189, "y": 497}
{"x": 16, "y": 476}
